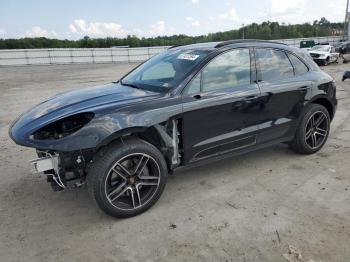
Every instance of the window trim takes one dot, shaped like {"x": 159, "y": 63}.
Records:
{"x": 253, "y": 72}
{"x": 292, "y": 54}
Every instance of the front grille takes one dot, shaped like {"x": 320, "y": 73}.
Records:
{"x": 314, "y": 55}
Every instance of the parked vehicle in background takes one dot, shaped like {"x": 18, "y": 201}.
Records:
{"x": 338, "y": 46}
{"x": 324, "y": 54}
{"x": 186, "y": 106}
{"x": 344, "y": 50}
{"x": 307, "y": 44}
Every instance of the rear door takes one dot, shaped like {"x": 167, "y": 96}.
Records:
{"x": 221, "y": 107}
{"x": 283, "y": 92}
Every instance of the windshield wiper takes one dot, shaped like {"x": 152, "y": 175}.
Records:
{"x": 129, "y": 84}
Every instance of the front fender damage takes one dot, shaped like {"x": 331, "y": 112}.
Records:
{"x": 171, "y": 140}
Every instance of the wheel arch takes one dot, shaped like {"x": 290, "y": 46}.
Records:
{"x": 151, "y": 134}
{"x": 326, "y": 103}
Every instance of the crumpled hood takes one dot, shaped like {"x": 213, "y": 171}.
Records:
{"x": 90, "y": 99}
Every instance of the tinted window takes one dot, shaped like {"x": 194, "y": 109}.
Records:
{"x": 227, "y": 70}
{"x": 299, "y": 67}
{"x": 274, "y": 64}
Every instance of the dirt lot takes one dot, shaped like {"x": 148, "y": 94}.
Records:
{"x": 248, "y": 208}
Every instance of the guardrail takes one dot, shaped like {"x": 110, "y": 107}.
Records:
{"x": 106, "y": 55}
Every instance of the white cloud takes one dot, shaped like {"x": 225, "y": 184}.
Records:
{"x": 158, "y": 28}
{"x": 286, "y": 6}
{"x": 195, "y": 23}
{"x": 79, "y": 28}
{"x": 192, "y": 21}
{"x": 37, "y": 31}
{"x": 96, "y": 29}
{"x": 2, "y": 33}
{"x": 233, "y": 14}
{"x": 230, "y": 15}
{"x": 194, "y": 1}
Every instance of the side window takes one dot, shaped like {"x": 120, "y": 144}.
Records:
{"x": 274, "y": 64}
{"x": 224, "y": 71}
{"x": 227, "y": 70}
{"x": 195, "y": 85}
{"x": 299, "y": 67}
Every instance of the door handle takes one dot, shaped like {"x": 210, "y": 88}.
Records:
{"x": 197, "y": 96}
{"x": 304, "y": 88}
{"x": 250, "y": 98}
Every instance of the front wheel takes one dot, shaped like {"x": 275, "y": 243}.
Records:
{"x": 313, "y": 130}
{"x": 128, "y": 178}
{"x": 326, "y": 62}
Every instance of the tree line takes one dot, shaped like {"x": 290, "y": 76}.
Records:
{"x": 266, "y": 30}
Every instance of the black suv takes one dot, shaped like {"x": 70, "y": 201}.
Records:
{"x": 180, "y": 108}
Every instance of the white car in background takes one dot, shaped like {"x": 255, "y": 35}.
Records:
{"x": 324, "y": 54}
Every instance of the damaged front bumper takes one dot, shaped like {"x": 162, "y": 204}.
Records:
{"x": 62, "y": 169}
{"x": 49, "y": 165}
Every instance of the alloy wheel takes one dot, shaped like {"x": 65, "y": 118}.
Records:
{"x": 316, "y": 130}
{"x": 132, "y": 181}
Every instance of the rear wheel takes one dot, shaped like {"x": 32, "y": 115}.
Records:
{"x": 128, "y": 178}
{"x": 313, "y": 130}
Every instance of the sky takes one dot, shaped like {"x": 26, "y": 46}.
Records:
{"x": 118, "y": 18}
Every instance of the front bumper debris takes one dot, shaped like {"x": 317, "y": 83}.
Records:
{"x": 49, "y": 165}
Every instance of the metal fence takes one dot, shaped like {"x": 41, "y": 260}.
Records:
{"x": 327, "y": 39}
{"x": 106, "y": 55}
{"x": 77, "y": 55}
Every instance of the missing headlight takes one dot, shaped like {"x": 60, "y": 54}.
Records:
{"x": 63, "y": 127}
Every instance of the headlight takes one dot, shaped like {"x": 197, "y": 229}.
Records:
{"x": 63, "y": 127}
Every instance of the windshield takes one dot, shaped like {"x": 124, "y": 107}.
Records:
{"x": 323, "y": 48}
{"x": 165, "y": 71}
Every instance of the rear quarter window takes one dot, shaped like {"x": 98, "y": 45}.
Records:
{"x": 299, "y": 67}
{"x": 274, "y": 64}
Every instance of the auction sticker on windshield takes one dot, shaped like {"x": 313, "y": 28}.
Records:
{"x": 188, "y": 57}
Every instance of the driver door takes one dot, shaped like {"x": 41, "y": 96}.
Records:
{"x": 221, "y": 107}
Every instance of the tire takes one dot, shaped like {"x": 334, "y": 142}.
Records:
{"x": 133, "y": 193}
{"x": 307, "y": 133}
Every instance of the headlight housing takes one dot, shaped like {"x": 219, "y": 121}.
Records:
{"x": 63, "y": 127}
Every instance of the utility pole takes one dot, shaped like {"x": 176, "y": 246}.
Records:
{"x": 243, "y": 29}
{"x": 346, "y": 18}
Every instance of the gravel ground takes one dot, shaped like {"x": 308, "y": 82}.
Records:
{"x": 248, "y": 208}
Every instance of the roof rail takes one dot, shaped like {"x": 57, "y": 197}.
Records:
{"x": 230, "y": 42}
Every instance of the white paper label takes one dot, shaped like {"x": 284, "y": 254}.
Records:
{"x": 188, "y": 57}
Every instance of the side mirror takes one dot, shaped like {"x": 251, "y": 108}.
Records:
{"x": 346, "y": 75}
